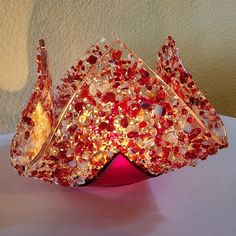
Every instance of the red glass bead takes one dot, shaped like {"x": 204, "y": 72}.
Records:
{"x": 194, "y": 133}
{"x": 116, "y": 54}
{"x": 157, "y": 140}
{"x": 144, "y": 81}
{"x": 92, "y": 59}
{"x": 28, "y": 120}
{"x": 124, "y": 122}
{"x": 84, "y": 91}
{"x": 109, "y": 97}
{"x": 102, "y": 113}
{"x": 103, "y": 125}
{"x": 132, "y": 134}
{"x": 165, "y": 152}
{"x": 190, "y": 155}
{"x": 72, "y": 128}
{"x": 79, "y": 106}
{"x": 143, "y": 73}
{"x": 108, "y": 126}
{"x": 142, "y": 124}
{"x": 190, "y": 119}
{"x": 183, "y": 77}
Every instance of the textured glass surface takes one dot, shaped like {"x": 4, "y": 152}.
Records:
{"x": 112, "y": 103}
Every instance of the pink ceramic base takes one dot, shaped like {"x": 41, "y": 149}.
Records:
{"x": 120, "y": 172}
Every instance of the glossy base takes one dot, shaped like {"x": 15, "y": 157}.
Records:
{"x": 120, "y": 172}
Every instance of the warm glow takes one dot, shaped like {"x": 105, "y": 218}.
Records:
{"x": 41, "y": 129}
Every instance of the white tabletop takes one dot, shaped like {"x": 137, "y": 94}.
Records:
{"x": 197, "y": 201}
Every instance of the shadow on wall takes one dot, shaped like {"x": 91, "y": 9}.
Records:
{"x": 69, "y": 27}
{"x": 66, "y": 28}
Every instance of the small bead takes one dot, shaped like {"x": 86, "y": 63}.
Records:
{"x": 132, "y": 134}
{"x": 92, "y": 59}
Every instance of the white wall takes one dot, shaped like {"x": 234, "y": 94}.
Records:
{"x": 205, "y": 31}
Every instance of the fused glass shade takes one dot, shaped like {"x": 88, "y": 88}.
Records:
{"x": 112, "y": 103}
